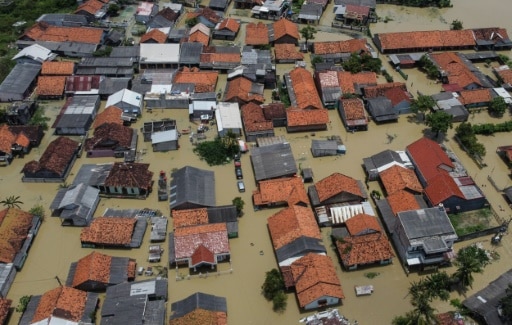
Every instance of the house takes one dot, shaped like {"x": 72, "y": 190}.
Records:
{"x": 328, "y": 86}
{"x": 284, "y": 31}
{"x": 352, "y": 14}
{"x": 18, "y": 140}
{"x": 190, "y": 54}
{"x": 332, "y": 146}
{"x": 155, "y": 35}
{"x": 95, "y": 272}
{"x": 398, "y": 178}
{"x": 58, "y": 68}
{"x": 141, "y": 302}
{"x": 247, "y": 4}
{"x": 203, "y": 308}
{"x": 20, "y": 113}
{"x": 286, "y": 191}
{"x": 132, "y": 52}
{"x": 336, "y": 188}
{"x": 399, "y": 201}
{"x": 504, "y": 75}
{"x": 159, "y": 56}
{"x": 275, "y": 112}
{"x": 111, "y": 114}
{"x": 165, "y": 140}
{"x": 447, "y": 102}
{"x": 273, "y": 161}
{"x": 338, "y": 51}
{"x": 20, "y": 82}
{"x": 270, "y": 9}
{"x": 256, "y": 34}
{"x": 114, "y": 232}
{"x": 198, "y": 108}
{"x": 227, "y": 29}
{"x": 226, "y": 214}
{"x": 42, "y": 31}
{"x": 145, "y": 11}
{"x": 353, "y": 114}
{"x": 505, "y": 152}
{"x": 68, "y": 20}
{"x": 82, "y": 85}
{"x": 423, "y": 237}
{"x": 310, "y": 13}
{"x": 475, "y": 98}
{"x": 75, "y": 205}
{"x": 192, "y": 188}
{"x": 61, "y": 305}
{"x": 197, "y": 246}
{"x": 383, "y": 160}
{"x": 201, "y": 81}
{"x": 287, "y": 53}
{"x": 77, "y": 116}
{"x": 199, "y": 33}
{"x": 485, "y": 304}
{"x": 396, "y": 93}
{"x": 5, "y": 307}
{"x": 254, "y": 122}
{"x": 206, "y": 16}
{"x": 315, "y": 281}
{"x": 220, "y": 57}
{"x": 227, "y": 116}
{"x": 243, "y": 91}
{"x": 55, "y": 163}
{"x": 116, "y": 67}
{"x": 166, "y": 17}
{"x": 111, "y": 139}
{"x": 361, "y": 242}
{"x": 492, "y": 38}
{"x": 256, "y": 65}
{"x": 34, "y": 54}
{"x": 18, "y": 229}
{"x": 219, "y": 5}
{"x": 354, "y": 83}
{"x": 7, "y": 275}
{"x": 93, "y": 10}
{"x": 381, "y": 110}
{"x": 127, "y": 100}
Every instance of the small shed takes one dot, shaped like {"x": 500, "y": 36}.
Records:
{"x": 307, "y": 175}
{"x": 165, "y": 140}
{"x": 228, "y": 118}
{"x": 199, "y": 108}
{"x": 322, "y": 148}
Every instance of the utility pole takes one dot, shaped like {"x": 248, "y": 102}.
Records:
{"x": 58, "y": 280}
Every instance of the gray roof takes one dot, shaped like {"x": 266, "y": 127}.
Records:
{"x": 363, "y": 3}
{"x": 323, "y": 147}
{"x": 251, "y": 55}
{"x": 426, "y": 223}
{"x": 221, "y": 4}
{"x": 311, "y": 11}
{"x": 158, "y": 228}
{"x": 273, "y": 161}
{"x": 203, "y": 96}
{"x": 389, "y": 217}
{"x": 18, "y": 81}
{"x": 93, "y": 174}
{"x": 74, "y": 121}
{"x": 330, "y": 94}
{"x": 7, "y": 275}
{"x": 126, "y": 52}
{"x": 485, "y": 302}
{"x": 160, "y": 21}
{"x": 192, "y": 185}
{"x": 77, "y": 202}
{"x": 190, "y": 53}
{"x": 381, "y": 159}
{"x": 178, "y": 33}
{"x": 135, "y": 303}
{"x": 225, "y": 213}
{"x": 108, "y": 85}
{"x": 299, "y": 247}
{"x": 63, "y": 19}
{"x": 198, "y": 300}
{"x": 381, "y": 109}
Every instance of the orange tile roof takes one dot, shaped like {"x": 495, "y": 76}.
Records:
{"x": 505, "y": 75}
{"x": 335, "y": 184}
{"x": 458, "y": 73}
{"x": 362, "y": 223}
{"x": 7, "y": 139}
{"x": 287, "y": 52}
{"x": 254, "y": 118}
{"x": 214, "y": 237}
{"x": 5, "y": 305}
{"x": 201, "y": 317}
{"x": 45, "y": 32}
{"x": 229, "y": 24}
{"x": 381, "y": 89}
{"x": 426, "y": 39}
{"x": 91, "y": 6}
{"x": 109, "y": 231}
{"x": 111, "y": 114}
{"x": 290, "y": 190}
{"x": 364, "y": 249}
{"x": 292, "y": 223}
{"x": 354, "y": 109}
{"x": 304, "y": 88}
{"x": 129, "y": 175}
{"x": 200, "y": 37}
{"x": 190, "y": 217}
{"x": 93, "y": 267}
{"x": 299, "y": 117}
{"x": 441, "y": 188}
{"x": 14, "y": 227}
{"x": 22, "y": 140}
{"x": 398, "y": 178}
{"x": 402, "y": 201}
{"x": 62, "y": 302}
{"x": 239, "y": 89}
{"x": 256, "y": 34}
{"x": 50, "y": 85}
{"x": 58, "y": 68}
{"x": 348, "y": 80}
{"x": 154, "y": 35}
{"x": 55, "y": 158}
{"x": 335, "y": 47}
{"x": 315, "y": 277}
{"x": 429, "y": 158}
{"x": 475, "y": 96}
{"x": 285, "y": 27}
{"x": 212, "y": 57}
{"x": 204, "y": 81}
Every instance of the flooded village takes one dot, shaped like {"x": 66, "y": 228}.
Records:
{"x": 138, "y": 229}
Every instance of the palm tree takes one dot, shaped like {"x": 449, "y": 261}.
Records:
{"x": 11, "y": 202}
{"x": 469, "y": 260}
{"x": 438, "y": 285}
{"x": 425, "y": 314}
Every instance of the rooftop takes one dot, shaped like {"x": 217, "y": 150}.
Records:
{"x": 398, "y": 178}
{"x": 254, "y": 119}
{"x": 285, "y": 27}
{"x": 204, "y": 81}
{"x": 289, "y": 189}
{"x": 109, "y": 231}
{"x": 335, "y": 184}
{"x": 287, "y": 52}
{"x": 15, "y": 225}
{"x": 58, "y": 68}
{"x": 55, "y": 158}
{"x": 256, "y": 34}
{"x": 45, "y": 32}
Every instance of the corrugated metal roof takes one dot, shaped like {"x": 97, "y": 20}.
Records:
{"x": 192, "y": 185}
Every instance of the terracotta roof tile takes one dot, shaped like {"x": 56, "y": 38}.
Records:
{"x": 50, "y": 85}
{"x": 505, "y": 75}
{"x": 348, "y": 81}
{"x": 45, "y": 32}
{"x": 214, "y": 237}
{"x": 210, "y": 55}
{"x": 240, "y": 90}
{"x": 208, "y": 13}
{"x": 426, "y": 39}
{"x": 55, "y": 158}
{"x": 382, "y": 89}
{"x": 287, "y": 52}
{"x": 299, "y": 117}
{"x": 303, "y": 85}
{"x": 130, "y": 175}
{"x": 200, "y": 33}
{"x": 256, "y": 34}
{"x": 109, "y": 231}
{"x": 490, "y": 33}
{"x": 168, "y": 14}
{"x": 402, "y": 201}
{"x": 111, "y": 114}
{"x": 274, "y": 111}
{"x": 5, "y": 305}
{"x": 362, "y": 223}
{"x": 108, "y": 135}
{"x": 93, "y": 267}
{"x": 429, "y": 158}
{"x": 33, "y": 133}
{"x": 14, "y": 227}
{"x": 229, "y": 24}
{"x": 22, "y": 140}
{"x": 476, "y": 96}
{"x": 354, "y": 109}
{"x": 335, "y": 184}
{"x": 327, "y": 79}
{"x": 253, "y": 118}
{"x": 441, "y": 188}
{"x": 61, "y": 302}
{"x": 292, "y": 223}
{"x": 7, "y": 139}
{"x": 154, "y": 35}
{"x": 191, "y": 217}
{"x": 315, "y": 277}
{"x": 458, "y": 73}
{"x": 285, "y": 27}
{"x": 204, "y": 81}
{"x": 201, "y": 317}
{"x": 290, "y": 190}
{"x": 357, "y": 11}
{"x": 58, "y": 68}
{"x": 397, "y": 178}
{"x": 335, "y": 47}
{"x": 91, "y": 6}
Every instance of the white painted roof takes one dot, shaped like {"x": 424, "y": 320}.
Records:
{"x": 200, "y": 27}
{"x": 125, "y": 95}
{"x": 36, "y": 52}
{"x": 228, "y": 116}
{"x": 159, "y": 53}
{"x": 164, "y": 136}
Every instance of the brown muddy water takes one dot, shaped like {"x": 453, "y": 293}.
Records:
{"x": 55, "y": 247}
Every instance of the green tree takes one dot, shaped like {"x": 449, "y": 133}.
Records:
{"x": 39, "y": 119}
{"x": 469, "y": 260}
{"x": 279, "y": 301}
{"x": 113, "y": 10}
{"x": 37, "y": 210}
{"x": 22, "y": 304}
{"x": 239, "y": 204}
{"x": 11, "y": 202}
{"x": 191, "y": 22}
{"x": 421, "y": 105}
{"x": 273, "y": 284}
{"x": 497, "y": 107}
{"x": 316, "y": 59}
{"x": 506, "y": 304}
{"x": 308, "y": 32}
{"x": 439, "y": 122}
{"x": 456, "y": 25}
{"x": 219, "y": 151}
{"x": 424, "y": 312}
{"x": 438, "y": 285}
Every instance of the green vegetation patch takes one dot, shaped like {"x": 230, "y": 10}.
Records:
{"x": 471, "y": 221}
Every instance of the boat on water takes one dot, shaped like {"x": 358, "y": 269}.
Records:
{"x": 329, "y": 316}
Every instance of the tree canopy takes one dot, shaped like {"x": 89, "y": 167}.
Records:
{"x": 219, "y": 151}
{"x": 469, "y": 260}
{"x": 364, "y": 62}
{"x": 456, "y": 25}
{"x": 308, "y": 32}
{"x": 497, "y": 107}
{"x": 273, "y": 289}
{"x": 439, "y": 122}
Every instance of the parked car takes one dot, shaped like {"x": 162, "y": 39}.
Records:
{"x": 238, "y": 173}
{"x": 241, "y": 186}
{"x": 238, "y": 163}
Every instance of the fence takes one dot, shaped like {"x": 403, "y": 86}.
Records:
{"x": 180, "y": 277}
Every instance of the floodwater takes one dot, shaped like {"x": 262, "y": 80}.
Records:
{"x": 55, "y": 247}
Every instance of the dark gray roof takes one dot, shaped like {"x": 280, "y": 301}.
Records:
{"x": 93, "y": 174}
{"x": 160, "y": 21}
{"x": 104, "y": 71}
{"x": 330, "y": 94}
{"x": 108, "y": 85}
{"x": 190, "y": 53}
{"x": 126, "y": 52}
{"x": 311, "y": 11}
{"x": 273, "y": 161}
{"x": 74, "y": 121}
{"x": 381, "y": 109}
{"x": 508, "y": 193}
{"x": 158, "y": 228}
{"x": 299, "y": 247}
{"x": 381, "y": 159}
{"x": 192, "y": 185}
{"x": 363, "y": 3}
{"x": 251, "y": 55}
{"x": 324, "y": 147}
{"x": 203, "y": 96}
{"x": 18, "y": 81}
{"x": 485, "y": 302}
{"x": 63, "y": 19}
{"x": 198, "y": 300}
{"x": 225, "y": 213}
{"x": 218, "y": 4}
{"x": 77, "y": 202}
{"x": 140, "y": 86}
{"x": 178, "y": 33}
{"x": 426, "y": 223}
